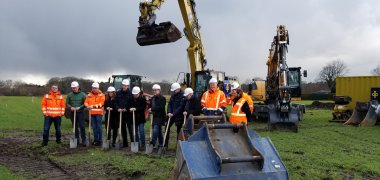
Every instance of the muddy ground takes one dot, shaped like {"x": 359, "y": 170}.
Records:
{"x": 22, "y": 156}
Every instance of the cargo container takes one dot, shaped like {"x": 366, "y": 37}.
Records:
{"x": 356, "y": 87}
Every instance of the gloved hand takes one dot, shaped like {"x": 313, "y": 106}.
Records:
{"x": 204, "y": 110}
{"x": 220, "y": 111}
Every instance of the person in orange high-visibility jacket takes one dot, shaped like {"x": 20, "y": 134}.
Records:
{"x": 94, "y": 103}
{"x": 213, "y": 100}
{"x": 239, "y": 107}
{"x": 234, "y": 87}
{"x": 53, "y": 107}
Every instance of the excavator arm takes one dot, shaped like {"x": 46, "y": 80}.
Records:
{"x": 150, "y": 33}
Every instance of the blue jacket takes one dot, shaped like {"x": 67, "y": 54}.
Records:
{"x": 176, "y": 106}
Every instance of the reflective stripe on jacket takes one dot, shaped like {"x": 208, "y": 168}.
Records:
{"x": 237, "y": 115}
{"x": 246, "y": 97}
{"x": 53, "y": 104}
{"x": 213, "y": 100}
{"x": 96, "y": 101}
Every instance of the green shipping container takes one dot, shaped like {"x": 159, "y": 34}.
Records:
{"x": 357, "y": 87}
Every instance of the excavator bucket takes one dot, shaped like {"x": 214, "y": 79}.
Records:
{"x": 359, "y": 114}
{"x": 165, "y": 32}
{"x": 227, "y": 151}
{"x": 283, "y": 121}
{"x": 197, "y": 122}
{"x": 371, "y": 117}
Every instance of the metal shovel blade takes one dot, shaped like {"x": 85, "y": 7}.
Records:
{"x": 148, "y": 148}
{"x": 134, "y": 146}
{"x": 118, "y": 146}
{"x": 73, "y": 142}
{"x": 87, "y": 143}
{"x": 106, "y": 144}
{"x": 161, "y": 150}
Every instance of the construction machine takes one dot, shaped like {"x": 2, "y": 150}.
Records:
{"x": 282, "y": 86}
{"x": 356, "y": 100}
{"x": 150, "y": 33}
{"x": 224, "y": 161}
{"x": 134, "y": 80}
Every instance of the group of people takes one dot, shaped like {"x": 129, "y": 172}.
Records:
{"x": 126, "y": 108}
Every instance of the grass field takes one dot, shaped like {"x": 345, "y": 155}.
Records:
{"x": 320, "y": 150}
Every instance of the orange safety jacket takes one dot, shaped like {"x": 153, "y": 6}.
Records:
{"x": 237, "y": 115}
{"x": 246, "y": 97}
{"x": 53, "y": 104}
{"x": 96, "y": 101}
{"x": 213, "y": 100}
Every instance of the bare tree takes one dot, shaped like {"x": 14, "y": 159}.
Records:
{"x": 376, "y": 71}
{"x": 332, "y": 70}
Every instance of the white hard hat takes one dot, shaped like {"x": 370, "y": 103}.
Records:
{"x": 175, "y": 86}
{"x": 136, "y": 90}
{"x": 74, "y": 84}
{"x": 213, "y": 80}
{"x": 188, "y": 91}
{"x": 234, "y": 85}
{"x": 156, "y": 86}
{"x": 111, "y": 89}
{"x": 95, "y": 85}
{"x": 125, "y": 82}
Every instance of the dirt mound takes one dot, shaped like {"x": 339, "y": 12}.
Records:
{"x": 321, "y": 105}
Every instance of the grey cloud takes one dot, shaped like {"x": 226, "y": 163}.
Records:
{"x": 84, "y": 38}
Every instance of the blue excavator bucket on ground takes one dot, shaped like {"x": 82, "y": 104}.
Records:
{"x": 226, "y": 151}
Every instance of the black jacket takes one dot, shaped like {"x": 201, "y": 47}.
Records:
{"x": 114, "y": 116}
{"x": 140, "y": 105}
{"x": 122, "y": 99}
{"x": 158, "y": 103}
{"x": 176, "y": 106}
{"x": 193, "y": 106}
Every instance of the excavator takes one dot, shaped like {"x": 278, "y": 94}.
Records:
{"x": 217, "y": 150}
{"x": 282, "y": 86}
{"x": 150, "y": 33}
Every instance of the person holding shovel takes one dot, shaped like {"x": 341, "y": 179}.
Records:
{"x": 75, "y": 102}
{"x": 175, "y": 110}
{"x": 138, "y": 105}
{"x": 123, "y": 96}
{"x": 94, "y": 103}
{"x": 157, "y": 107}
{"x": 110, "y": 106}
{"x": 192, "y": 108}
{"x": 53, "y": 108}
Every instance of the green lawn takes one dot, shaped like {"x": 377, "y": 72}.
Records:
{"x": 5, "y": 174}
{"x": 320, "y": 150}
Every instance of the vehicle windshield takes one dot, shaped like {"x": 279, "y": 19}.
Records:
{"x": 293, "y": 78}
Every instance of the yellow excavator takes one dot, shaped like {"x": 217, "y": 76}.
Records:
{"x": 282, "y": 86}
{"x": 150, "y": 33}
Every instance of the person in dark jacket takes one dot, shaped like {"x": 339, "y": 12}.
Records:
{"x": 138, "y": 105}
{"x": 192, "y": 108}
{"x": 75, "y": 102}
{"x": 157, "y": 107}
{"x": 175, "y": 110}
{"x": 110, "y": 105}
{"x": 123, "y": 96}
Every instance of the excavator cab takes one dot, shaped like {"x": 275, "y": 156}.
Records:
{"x": 116, "y": 80}
{"x": 165, "y": 32}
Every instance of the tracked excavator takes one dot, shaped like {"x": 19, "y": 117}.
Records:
{"x": 282, "y": 86}
{"x": 217, "y": 150}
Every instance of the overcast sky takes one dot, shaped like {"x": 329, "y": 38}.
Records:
{"x": 40, "y": 39}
